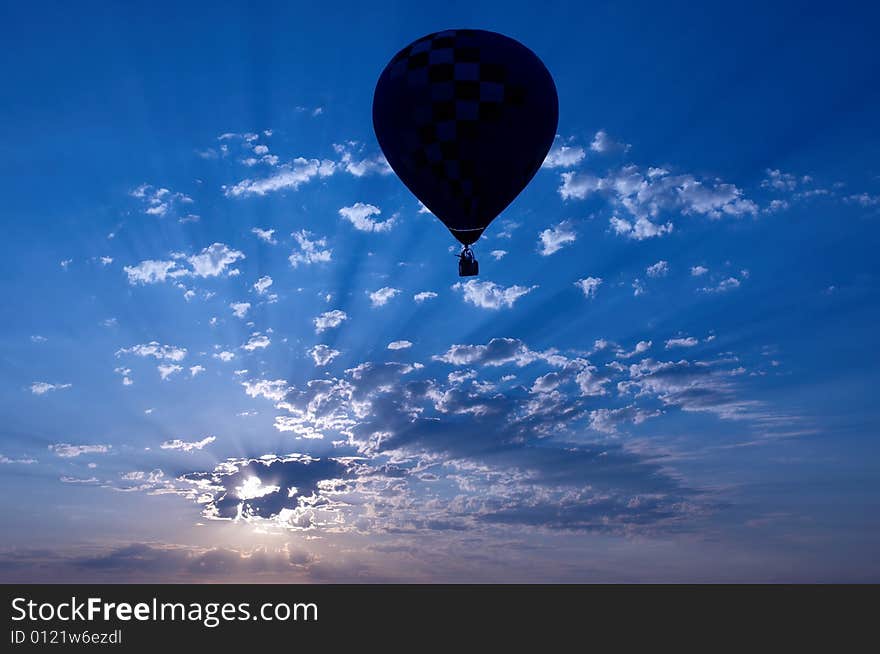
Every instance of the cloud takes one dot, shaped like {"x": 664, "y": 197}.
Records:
{"x": 723, "y": 286}
{"x": 359, "y": 216}
{"x": 193, "y": 371}
{"x": 184, "y": 446}
{"x": 126, "y": 375}
{"x": 637, "y": 287}
{"x": 688, "y": 341}
{"x": 589, "y": 286}
{"x": 257, "y": 341}
{"x": 41, "y": 388}
{"x": 698, "y": 271}
{"x": 152, "y": 271}
{"x": 323, "y": 354}
{"x": 224, "y": 356}
{"x": 329, "y": 320}
{"x": 214, "y": 260}
{"x": 269, "y": 389}
{"x": 68, "y": 451}
{"x": 602, "y": 143}
{"x": 424, "y": 295}
{"x": 240, "y": 309}
{"x": 640, "y": 229}
{"x": 645, "y": 196}
{"x": 555, "y": 238}
{"x": 399, "y": 345}
{"x": 301, "y": 495}
{"x": 863, "y": 199}
{"x": 564, "y": 156}
{"x": 359, "y": 167}
{"x": 489, "y": 295}
{"x": 641, "y": 346}
{"x": 5, "y": 460}
{"x": 262, "y": 284}
{"x": 659, "y": 269}
{"x": 779, "y": 181}
{"x": 168, "y": 369}
{"x": 310, "y": 251}
{"x": 155, "y": 350}
{"x": 498, "y": 254}
{"x": 497, "y": 352}
{"x": 380, "y": 298}
{"x": 289, "y": 176}
{"x": 159, "y": 201}
{"x": 266, "y": 235}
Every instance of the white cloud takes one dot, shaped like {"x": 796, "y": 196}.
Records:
{"x": 688, "y": 341}
{"x": 159, "y": 201}
{"x": 36, "y": 338}
{"x": 359, "y": 215}
{"x": 41, "y": 388}
{"x": 723, "y": 286}
{"x": 168, "y": 369}
{"x": 641, "y": 346}
{"x": 399, "y": 345}
{"x": 659, "y": 269}
{"x": 329, "y": 320}
{"x": 779, "y": 181}
{"x": 555, "y": 238}
{"x": 257, "y": 341}
{"x": 363, "y": 166}
{"x": 424, "y": 295}
{"x": 497, "y": 352}
{"x": 273, "y": 390}
{"x": 24, "y": 461}
{"x": 68, "y": 451}
{"x": 489, "y": 295}
{"x": 498, "y": 254}
{"x": 65, "y": 263}
{"x": 589, "y": 285}
{"x": 863, "y": 199}
{"x": 106, "y": 261}
{"x": 214, "y": 260}
{"x": 564, "y": 156}
{"x": 323, "y": 354}
{"x": 640, "y": 229}
{"x": 177, "y": 444}
{"x": 155, "y": 350}
{"x": 153, "y": 271}
{"x": 288, "y": 176}
{"x": 262, "y": 284}
{"x": 225, "y": 356}
{"x": 646, "y": 196}
{"x": 267, "y": 235}
{"x": 195, "y": 370}
{"x": 637, "y": 287}
{"x": 603, "y": 143}
{"x": 240, "y": 309}
{"x": 310, "y": 251}
{"x": 126, "y": 375}
{"x": 698, "y": 271}
{"x": 380, "y": 298}
{"x": 253, "y": 487}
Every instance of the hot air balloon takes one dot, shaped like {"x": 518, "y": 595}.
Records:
{"x": 465, "y": 118}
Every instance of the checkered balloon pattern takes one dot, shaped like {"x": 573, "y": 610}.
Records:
{"x": 465, "y": 118}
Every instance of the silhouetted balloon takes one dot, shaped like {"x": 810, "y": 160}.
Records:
{"x": 465, "y": 118}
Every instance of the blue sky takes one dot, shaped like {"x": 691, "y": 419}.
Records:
{"x": 235, "y": 348}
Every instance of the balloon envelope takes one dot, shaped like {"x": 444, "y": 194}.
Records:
{"x": 465, "y": 118}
